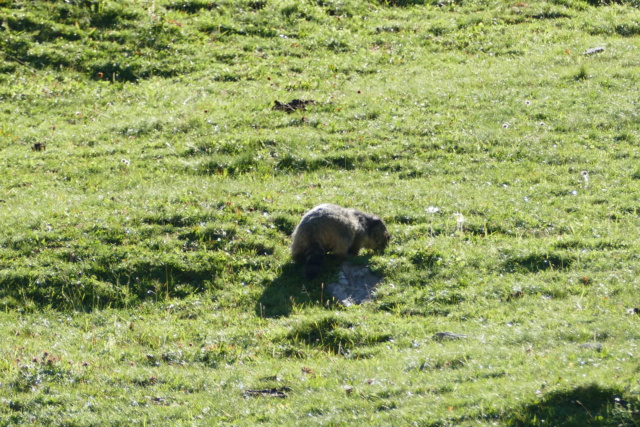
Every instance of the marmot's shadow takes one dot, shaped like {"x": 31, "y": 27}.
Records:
{"x": 343, "y": 282}
{"x": 291, "y": 289}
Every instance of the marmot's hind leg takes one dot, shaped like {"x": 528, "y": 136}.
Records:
{"x": 314, "y": 262}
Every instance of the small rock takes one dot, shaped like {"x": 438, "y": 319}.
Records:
{"x": 448, "y": 336}
{"x": 293, "y": 105}
{"x": 354, "y": 285}
{"x": 593, "y": 50}
{"x": 591, "y": 346}
{"x": 272, "y": 392}
{"x": 342, "y": 279}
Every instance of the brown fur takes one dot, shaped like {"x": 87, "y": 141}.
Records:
{"x": 341, "y": 231}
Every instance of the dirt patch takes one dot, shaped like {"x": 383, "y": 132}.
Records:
{"x": 356, "y": 284}
{"x": 293, "y": 105}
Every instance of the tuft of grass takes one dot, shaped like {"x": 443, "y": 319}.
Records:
{"x": 582, "y": 73}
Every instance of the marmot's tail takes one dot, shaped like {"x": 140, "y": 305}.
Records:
{"x": 314, "y": 262}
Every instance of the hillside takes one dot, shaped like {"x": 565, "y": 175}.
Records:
{"x": 149, "y": 188}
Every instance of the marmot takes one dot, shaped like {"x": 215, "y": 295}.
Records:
{"x": 341, "y": 231}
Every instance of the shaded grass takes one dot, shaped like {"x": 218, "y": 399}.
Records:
{"x": 584, "y": 405}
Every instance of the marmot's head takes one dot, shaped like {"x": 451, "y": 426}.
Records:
{"x": 377, "y": 234}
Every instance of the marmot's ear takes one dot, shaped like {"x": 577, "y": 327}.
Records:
{"x": 376, "y": 221}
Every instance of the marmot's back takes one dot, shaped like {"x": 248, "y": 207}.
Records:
{"x": 341, "y": 231}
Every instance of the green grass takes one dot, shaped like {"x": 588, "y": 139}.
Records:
{"x": 145, "y": 275}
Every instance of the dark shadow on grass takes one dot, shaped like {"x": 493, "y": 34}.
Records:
{"x": 332, "y": 334}
{"x": 587, "y": 405}
{"x": 535, "y": 262}
{"x": 292, "y": 289}
{"x": 280, "y": 296}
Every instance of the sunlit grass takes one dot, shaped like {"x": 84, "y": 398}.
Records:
{"x": 144, "y": 266}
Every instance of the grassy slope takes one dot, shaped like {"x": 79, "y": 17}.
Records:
{"x": 144, "y": 263}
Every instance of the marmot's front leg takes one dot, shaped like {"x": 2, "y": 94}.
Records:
{"x": 354, "y": 250}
